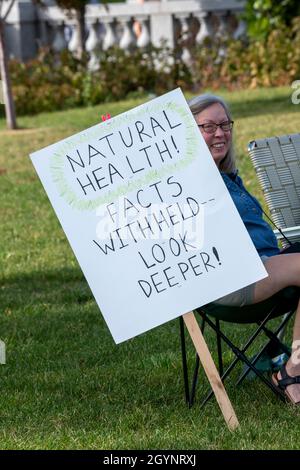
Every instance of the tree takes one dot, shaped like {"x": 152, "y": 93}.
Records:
{"x": 78, "y": 6}
{"x": 4, "y": 71}
{"x": 262, "y": 16}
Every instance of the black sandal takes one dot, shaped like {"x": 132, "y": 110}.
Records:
{"x": 285, "y": 381}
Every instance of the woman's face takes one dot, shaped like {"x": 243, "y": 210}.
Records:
{"x": 218, "y": 142}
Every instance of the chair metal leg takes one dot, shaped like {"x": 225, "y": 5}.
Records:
{"x": 196, "y": 370}
{"x": 231, "y": 345}
{"x": 241, "y": 356}
{"x": 282, "y": 332}
{"x": 219, "y": 347}
{"x": 274, "y": 337}
{"x": 223, "y": 377}
{"x": 184, "y": 363}
{"x": 195, "y": 380}
{"x": 253, "y": 362}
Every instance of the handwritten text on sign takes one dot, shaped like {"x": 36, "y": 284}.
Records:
{"x": 148, "y": 215}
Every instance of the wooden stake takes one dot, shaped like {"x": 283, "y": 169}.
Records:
{"x": 211, "y": 370}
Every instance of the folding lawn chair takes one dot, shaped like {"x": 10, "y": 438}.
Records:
{"x": 277, "y": 164}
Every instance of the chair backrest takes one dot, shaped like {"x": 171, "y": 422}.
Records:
{"x": 277, "y": 164}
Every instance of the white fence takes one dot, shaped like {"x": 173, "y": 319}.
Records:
{"x": 127, "y": 25}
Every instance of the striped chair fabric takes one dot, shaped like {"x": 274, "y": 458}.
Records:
{"x": 277, "y": 164}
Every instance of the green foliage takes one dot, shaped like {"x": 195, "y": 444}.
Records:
{"x": 274, "y": 61}
{"x": 50, "y": 83}
{"x": 73, "y": 4}
{"x": 43, "y": 84}
{"x": 66, "y": 385}
{"x": 262, "y": 16}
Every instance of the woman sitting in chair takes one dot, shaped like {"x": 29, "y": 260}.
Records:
{"x": 215, "y": 124}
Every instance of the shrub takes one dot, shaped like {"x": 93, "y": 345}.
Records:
{"x": 49, "y": 82}
{"x": 263, "y": 16}
{"x": 273, "y": 61}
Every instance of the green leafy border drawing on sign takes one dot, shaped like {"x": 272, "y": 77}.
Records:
{"x": 58, "y": 159}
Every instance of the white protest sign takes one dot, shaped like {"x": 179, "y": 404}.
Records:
{"x": 148, "y": 215}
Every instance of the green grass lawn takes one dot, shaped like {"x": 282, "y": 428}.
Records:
{"x": 66, "y": 385}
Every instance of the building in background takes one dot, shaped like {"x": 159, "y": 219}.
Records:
{"x": 133, "y": 23}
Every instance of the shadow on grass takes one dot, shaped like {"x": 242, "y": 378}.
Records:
{"x": 65, "y": 362}
{"x": 65, "y": 285}
{"x": 261, "y": 106}
{"x": 58, "y": 305}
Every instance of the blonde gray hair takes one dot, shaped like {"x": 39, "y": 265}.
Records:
{"x": 197, "y": 105}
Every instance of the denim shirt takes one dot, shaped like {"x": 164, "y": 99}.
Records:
{"x": 250, "y": 211}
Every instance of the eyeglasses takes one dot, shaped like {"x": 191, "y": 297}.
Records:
{"x": 211, "y": 127}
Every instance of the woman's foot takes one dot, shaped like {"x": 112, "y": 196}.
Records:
{"x": 288, "y": 380}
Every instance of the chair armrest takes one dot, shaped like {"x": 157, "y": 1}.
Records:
{"x": 290, "y": 232}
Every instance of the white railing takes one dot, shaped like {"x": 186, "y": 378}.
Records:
{"x": 130, "y": 25}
